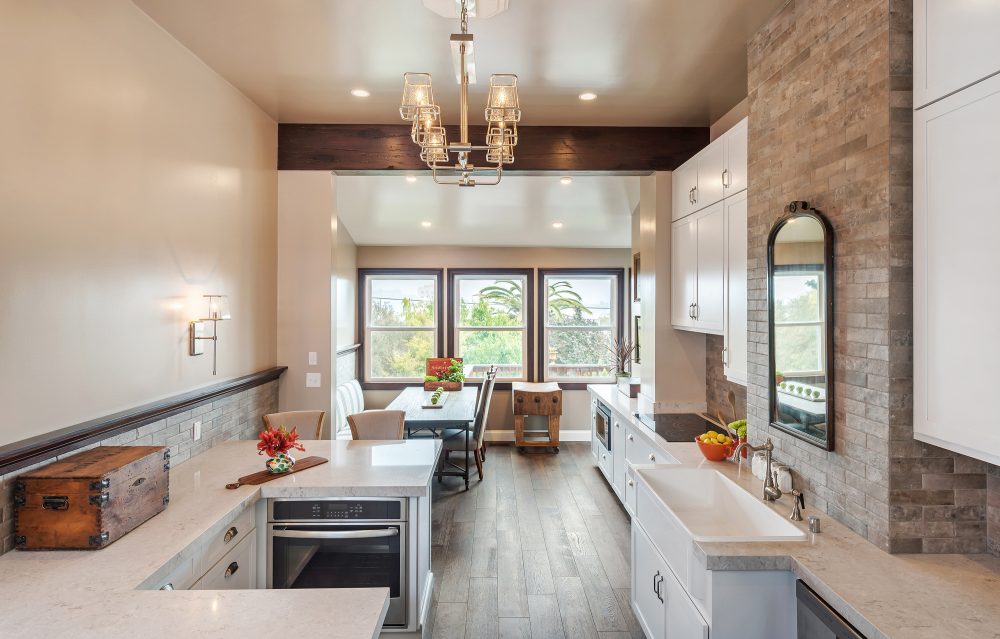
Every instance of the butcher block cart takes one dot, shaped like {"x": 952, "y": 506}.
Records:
{"x": 541, "y": 400}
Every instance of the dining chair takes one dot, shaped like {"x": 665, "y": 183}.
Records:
{"x": 377, "y": 424}
{"x": 304, "y": 421}
{"x": 476, "y": 442}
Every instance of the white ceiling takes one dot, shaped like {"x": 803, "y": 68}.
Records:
{"x": 652, "y": 62}
{"x": 596, "y": 211}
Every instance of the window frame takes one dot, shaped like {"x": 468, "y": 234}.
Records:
{"x": 817, "y": 271}
{"x": 528, "y": 343}
{"x": 618, "y": 315}
{"x": 364, "y": 277}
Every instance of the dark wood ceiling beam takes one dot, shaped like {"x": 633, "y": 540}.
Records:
{"x": 387, "y": 147}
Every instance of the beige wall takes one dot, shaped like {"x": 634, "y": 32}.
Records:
{"x": 576, "y": 405}
{"x": 307, "y": 242}
{"x": 347, "y": 284}
{"x": 134, "y": 180}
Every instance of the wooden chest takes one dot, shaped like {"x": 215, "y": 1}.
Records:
{"x": 89, "y": 500}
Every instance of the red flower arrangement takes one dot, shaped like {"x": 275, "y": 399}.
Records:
{"x": 278, "y": 440}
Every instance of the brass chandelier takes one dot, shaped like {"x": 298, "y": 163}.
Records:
{"x": 502, "y": 115}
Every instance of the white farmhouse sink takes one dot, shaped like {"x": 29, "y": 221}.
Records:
{"x": 711, "y": 507}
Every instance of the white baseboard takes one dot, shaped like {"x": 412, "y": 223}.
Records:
{"x": 564, "y": 435}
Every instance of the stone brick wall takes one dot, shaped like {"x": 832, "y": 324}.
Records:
{"x": 236, "y": 416}
{"x": 830, "y": 123}
{"x": 993, "y": 510}
{"x": 717, "y": 386}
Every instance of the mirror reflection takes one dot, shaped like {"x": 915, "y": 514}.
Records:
{"x": 799, "y": 330}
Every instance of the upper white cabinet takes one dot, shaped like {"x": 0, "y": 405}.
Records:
{"x": 717, "y": 171}
{"x": 698, "y": 271}
{"x": 955, "y": 43}
{"x": 956, "y": 169}
{"x": 734, "y": 354}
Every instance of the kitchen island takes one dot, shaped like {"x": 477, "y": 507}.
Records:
{"x": 116, "y": 591}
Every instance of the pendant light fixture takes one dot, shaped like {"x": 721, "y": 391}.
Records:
{"x": 502, "y": 115}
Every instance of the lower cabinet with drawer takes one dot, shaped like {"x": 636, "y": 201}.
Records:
{"x": 662, "y": 607}
{"x": 235, "y": 571}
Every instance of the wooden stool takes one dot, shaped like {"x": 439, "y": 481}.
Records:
{"x": 544, "y": 400}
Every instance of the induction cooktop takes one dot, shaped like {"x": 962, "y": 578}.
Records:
{"x": 677, "y": 427}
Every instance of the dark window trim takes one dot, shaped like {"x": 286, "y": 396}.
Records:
{"x": 362, "y": 296}
{"x": 619, "y": 273}
{"x": 529, "y": 298}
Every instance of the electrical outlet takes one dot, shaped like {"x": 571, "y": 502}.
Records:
{"x": 313, "y": 360}
{"x": 314, "y": 380}
{"x": 196, "y": 431}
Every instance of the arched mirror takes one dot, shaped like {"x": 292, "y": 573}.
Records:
{"x": 800, "y": 317}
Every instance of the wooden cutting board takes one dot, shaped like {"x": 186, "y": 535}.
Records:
{"x": 264, "y": 476}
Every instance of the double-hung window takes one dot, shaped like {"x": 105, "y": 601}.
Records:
{"x": 581, "y": 315}
{"x": 799, "y": 322}
{"x": 401, "y": 322}
{"x": 490, "y": 322}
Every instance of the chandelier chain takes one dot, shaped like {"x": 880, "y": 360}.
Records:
{"x": 465, "y": 16}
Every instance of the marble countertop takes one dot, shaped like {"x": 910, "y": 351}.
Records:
{"x": 882, "y": 595}
{"x": 84, "y": 594}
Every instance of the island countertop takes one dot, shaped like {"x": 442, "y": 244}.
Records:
{"x": 84, "y": 594}
{"x": 881, "y": 594}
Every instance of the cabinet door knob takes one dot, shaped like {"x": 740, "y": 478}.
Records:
{"x": 617, "y": 425}
{"x": 230, "y": 534}
{"x": 169, "y": 586}
{"x": 231, "y": 570}
{"x": 652, "y": 457}
{"x": 630, "y": 483}
{"x": 631, "y": 438}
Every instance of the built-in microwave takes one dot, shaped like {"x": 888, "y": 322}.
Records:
{"x": 602, "y": 424}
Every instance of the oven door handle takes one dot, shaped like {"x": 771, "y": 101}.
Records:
{"x": 335, "y": 534}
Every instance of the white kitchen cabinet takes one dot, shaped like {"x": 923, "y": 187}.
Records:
{"x": 734, "y": 355}
{"x": 605, "y": 462}
{"x": 955, "y": 44}
{"x": 684, "y": 183}
{"x": 618, "y": 456}
{"x": 683, "y": 271}
{"x": 649, "y": 571}
{"x": 698, "y": 270}
{"x": 682, "y": 617}
{"x": 236, "y": 569}
{"x": 595, "y": 444}
{"x": 734, "y": 179}
{"x": 956, "y": 168}
{"x": 711, "y": 163}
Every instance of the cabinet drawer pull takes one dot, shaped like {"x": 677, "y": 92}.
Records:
{"x": 167, "y": 586}
{"x": 617, "y": 425}
{"x": 231, "y": 570}
{"x": 631, "y": 438}
{"x": 652, "y": 457}
{"x": 230, "y": 534}
{"x": 725, "y": 182}
{"x": 656, "y": 588}
{"x": 630, "y": 483}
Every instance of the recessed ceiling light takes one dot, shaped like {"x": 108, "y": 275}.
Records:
{"x": 565, "y": 180}
{"x": 426, "y": 224}
{"x": 411, "y": 178}
{"x": 557, "y": 225}
{"x": 360, "y": 93}
{"x": 588, "y": 96}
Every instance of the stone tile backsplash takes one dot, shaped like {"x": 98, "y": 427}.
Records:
{"x": 236, "y": 416}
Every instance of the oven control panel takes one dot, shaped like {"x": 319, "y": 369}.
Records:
{"x": 335, "y": 510}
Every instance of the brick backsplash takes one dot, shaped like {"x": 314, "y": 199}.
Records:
{"x": 718, "y": 386}
{"x": 831, "y": 123}
{"x": 236, "y": 416}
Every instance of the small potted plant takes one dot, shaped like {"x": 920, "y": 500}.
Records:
{"x": 622, "y": 350}
{"x": 446, "y": 373}
{"x": 275, "y": 443}
{"x": 779, "y": 378}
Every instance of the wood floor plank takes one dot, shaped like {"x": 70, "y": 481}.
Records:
{"x": 614, "y": 634}
{"x": 600, "y": 595}
{"x": 537, "y": 575}
{"x": 484, "y": 557}
{"x": 614, "y": 554}
{"x": 515, "y": 628}
{"x": 458, "y": 562}
{"x": 545, "y": 619}
{"x": 511, "y": 589}
{"x": 624, "y": 597}
{"x": 481, "y": 620}
{"x": 577, "y": 619}
{"x": 450, "y": 620}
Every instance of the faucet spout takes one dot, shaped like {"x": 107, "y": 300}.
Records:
{"x": 771, "y": 490}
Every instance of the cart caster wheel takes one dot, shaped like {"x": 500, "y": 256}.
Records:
{"x": 520, "y": 449}
{"x": 557, "y": 450}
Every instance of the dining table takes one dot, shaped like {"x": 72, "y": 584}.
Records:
{"x": 457, "y": 411}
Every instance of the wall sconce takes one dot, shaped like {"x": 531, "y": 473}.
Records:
{"x": 218, "y": 310}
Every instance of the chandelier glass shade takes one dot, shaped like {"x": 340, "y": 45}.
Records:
{"x": 502, "y": 114}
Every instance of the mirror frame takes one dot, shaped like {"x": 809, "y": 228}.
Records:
{"x": 797, "y": 210}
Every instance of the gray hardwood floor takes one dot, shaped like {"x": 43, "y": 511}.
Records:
{"x": 539, "y": 549}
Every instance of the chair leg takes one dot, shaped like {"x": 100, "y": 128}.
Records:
{"x": 482, "y": 452}
{"x": 479, "y": 464}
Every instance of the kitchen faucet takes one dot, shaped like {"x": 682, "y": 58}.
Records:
{"x": 771, "y": 490}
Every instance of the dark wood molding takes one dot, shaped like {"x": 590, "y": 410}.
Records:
{"x": 618, "y": 273}
{"x": 388, "y": 147}
{"x": 529, "y": 299}
{"x": 362, "y": 296}
{"x": 344, "y": 350}
{"x": 44, "y": 447}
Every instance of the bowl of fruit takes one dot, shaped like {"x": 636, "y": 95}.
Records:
{"x": 715, "y": 446}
